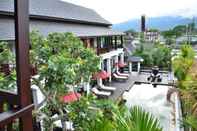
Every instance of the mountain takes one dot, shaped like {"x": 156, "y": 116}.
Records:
{"x": 161, "y": 23}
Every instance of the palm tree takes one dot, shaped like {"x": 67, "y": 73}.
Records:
{"x": 136, "y": 119}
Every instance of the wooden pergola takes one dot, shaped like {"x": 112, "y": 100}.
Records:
{"x": 20, "y": 104}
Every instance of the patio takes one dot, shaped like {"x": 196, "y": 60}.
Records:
{"x": 141, "y": 77}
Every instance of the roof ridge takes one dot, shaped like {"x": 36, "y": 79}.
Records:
{"x": 59, "y": 9}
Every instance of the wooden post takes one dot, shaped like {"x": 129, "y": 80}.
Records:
{"x": 21, "y": 8}
{"x": 98, "y": 45}
{"x": 121, "y": 41}
{"x": 115, "y": 42}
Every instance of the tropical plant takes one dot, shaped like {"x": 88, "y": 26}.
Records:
{"x": 63, "y": 63}
{"x": 105, "y": 115}
{"x": 184, "y": 67}
{"x": 183, "y": 62}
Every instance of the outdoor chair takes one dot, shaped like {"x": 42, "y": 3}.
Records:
{"x": 100, "y": 93}
{"x": 117, "y": 77}
{"x": 122, "y": 74}
{"x": 103, "y": 87}
{"x": 107, "y": 88}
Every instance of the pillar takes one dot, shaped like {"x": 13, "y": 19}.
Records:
{"x": 116, "y": 61}
{"x": 87, "y": 87}
{"x": 122, "y": 57}
{"x": 130, "y": 67}
{"x": 109, "y": 68}
{"x": 21, "y": 16}
{"x": 138, "y": 67}
{"x": 99, "y": 81}
{"x": 100, "y": 64}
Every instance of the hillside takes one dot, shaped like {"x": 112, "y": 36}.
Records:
{"x": 162, "y": 23}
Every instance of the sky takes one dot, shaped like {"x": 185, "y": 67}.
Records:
{"x": 117, "y": 11}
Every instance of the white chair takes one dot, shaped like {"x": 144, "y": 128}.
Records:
{"x": 122, "y": 74}
{"x": 103, "y": 87}
{"x": 100, "y": 93}
{"x": 108, "y": 88}
{"x": 119, "y": 77}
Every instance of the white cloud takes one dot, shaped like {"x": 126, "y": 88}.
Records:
{"x": 121, "y": 10}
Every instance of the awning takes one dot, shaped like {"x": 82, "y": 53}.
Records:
{"x": 135, "y": 59}
{"x": 71, "y": 97}
{"x": 102, "y": 74}
{"x": 120, "y": 64}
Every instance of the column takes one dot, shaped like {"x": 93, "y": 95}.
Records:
{"x": 130, "y": 67}
{"x": 87, "y": 87}
{"x": 122, "y": 40}
{"x": 122, "y": 57}
{"x": 21, "y": 16}
{"x": 115, "y": 42}
{"x": 138, "y": 67}
{"x": 109, "y": 68}
{"x": 99, "y": 81}
{"x": 100, "y": 64}
{"x": 116, "y": 62}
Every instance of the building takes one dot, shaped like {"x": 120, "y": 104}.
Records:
{"x": 48, "y": 16}
{"x": 143, "y": 23}
{"x": 151, "y": 36}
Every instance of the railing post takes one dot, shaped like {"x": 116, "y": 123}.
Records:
{"x": 22, "y": 60}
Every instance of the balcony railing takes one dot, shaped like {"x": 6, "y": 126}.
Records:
{"x": 10, "y": 110}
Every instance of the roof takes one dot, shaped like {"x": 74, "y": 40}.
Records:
{"x": 46, "y": 27}
{"x": 135, "y": 59}
{"x": 57, "y": 9}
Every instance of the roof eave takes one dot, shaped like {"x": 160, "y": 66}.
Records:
{"x": 49, "y": 18}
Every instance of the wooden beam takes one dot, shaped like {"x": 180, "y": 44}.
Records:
{"x": 21, "y": 8}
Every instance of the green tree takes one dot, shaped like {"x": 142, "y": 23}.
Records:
{"x": 185, "y": 70}
{"x": 156, "y": 55}
{"x": 63, "y": 63}
{"x": 183, "y": 62}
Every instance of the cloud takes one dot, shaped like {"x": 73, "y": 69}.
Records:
{"x": 121, "y": 10}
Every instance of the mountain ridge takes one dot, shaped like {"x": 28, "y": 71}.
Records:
{"x": 161, "y": 23}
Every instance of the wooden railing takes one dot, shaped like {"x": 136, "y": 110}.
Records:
{"x": 10, "y": 111}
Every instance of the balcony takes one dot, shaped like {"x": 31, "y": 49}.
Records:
{"x": 111, "y": 53}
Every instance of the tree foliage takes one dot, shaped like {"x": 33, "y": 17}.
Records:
{"x": 183, "y": 62}
{"x": 7, "y": 76}
{"x": 185, "y": 70}
{"x": 157, "y": 55}
{"x": 63, "y": 63}
{"x": 105, "y": 115}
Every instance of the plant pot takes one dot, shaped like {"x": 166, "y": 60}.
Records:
{"x": 5, "y": 68}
